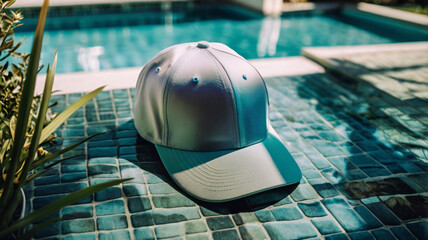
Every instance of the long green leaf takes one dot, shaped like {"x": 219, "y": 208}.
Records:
{"x": 40, "y": 119}
{"x": 30, "y": 233}
{"x": 36, "y": 175}
{"x": 58, "y": 204}
{"x": 24, "y": 109}
{"x": 47, "y": 168}
{"x": 60, "y": 119}
{"x": 51, "y": 156}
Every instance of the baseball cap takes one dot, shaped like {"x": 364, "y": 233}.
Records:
{"x": 206, "y": 110}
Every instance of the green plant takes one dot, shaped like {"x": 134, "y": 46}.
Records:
{"x": 24, "y": 129}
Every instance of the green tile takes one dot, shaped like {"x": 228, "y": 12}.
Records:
{"x": 103, "y": 170}
{"x": 252, "y": 231}
{"x": 216, "y": 223}
{"x": 85, "y": 236}
{"x": 226, "y": 235}
{"x": 77, "y": 211}
{"x": 419, "y": 228}
{"x": 369, "y": 218}
{"x": 58, "y": 188}
{"x": 108, "y": 160}
{"x": 127, "y": 141}
{"x": 127, "y": 134}
{"x": 169, "y": 230}
{"x": 328, "y": 149}
{"x": 303, "y": 192}
{"x": 78, "y": 226}
{"x": 124, "y": 114}
{"x": 144, "y": 233}
{"x": 344, "y": 214}
{"x": 333, "y": 176}
{"x": 297, "y": 229}
{"x": 110, "y": 207}
{"x": 172, "y": 201}
{"x": 162, "y": 216}
{"x": 139, "y": 204}
{"x": 342, "y": 163}
{"x": 313, "y": 209}
{"x": 73, "y": 177}
{"x": 265, "y": 216}
{"x": 73, "y": 168}
{"x": 375, "y": 171}
{"x": 102, "y": 151}
{"x": 112, "y": 222}
{"x": 286, "y": 213}
{"x": 331, "y": 136}
{"x": 199, "y": 236}
{"x": 383, "y": 213}
{"x": 361, "y": 236}
{"x": 323, "y": 188}
{"x": 47, "y": 180}
{"x": 142, "y": 219}
{"x": 318, "y": 160}
{"x": 115, "y": 235}
{"x": 244, "y": 217}
{"x": 134, "y": 189}
{"x": 325, "y": 225}
{"x": 108, "y": 194}
{"x": 195, "y": 227}
{"x": 132, "y": 171}
{"x": 402, "y": 233}
{"x": 382, "y": 234}
{"x": 161, "y": 188}
{"x": 104, "y": 143}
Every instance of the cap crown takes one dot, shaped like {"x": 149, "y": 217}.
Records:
{"x": 201, "y": 97}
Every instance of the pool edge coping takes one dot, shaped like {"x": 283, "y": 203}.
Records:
{"x": 63, "y": 3}
{"x": 415, "y": 19}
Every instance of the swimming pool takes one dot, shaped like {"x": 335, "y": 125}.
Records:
{"x": 105, "y": 39}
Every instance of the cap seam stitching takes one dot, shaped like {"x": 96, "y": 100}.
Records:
{"x": 165, "y": 97}
{"x": 237, "y": 132}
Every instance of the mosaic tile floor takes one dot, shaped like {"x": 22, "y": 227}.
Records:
{"x": 356, "y": 184}
{"x": 393, "y": 80}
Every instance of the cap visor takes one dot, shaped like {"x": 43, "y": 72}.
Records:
{"x": 230, "y": 174}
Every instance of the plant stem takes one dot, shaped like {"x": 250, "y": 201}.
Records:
{"x": 8, "y": 214}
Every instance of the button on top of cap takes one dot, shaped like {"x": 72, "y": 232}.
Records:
{"x": 203, "y": 44}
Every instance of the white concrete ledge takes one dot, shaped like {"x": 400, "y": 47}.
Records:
{"x": 327, "y": 52}
{"x": 127, "y": 77}
{"x": 391, "y": 13}
{"x": 286, "y": 66}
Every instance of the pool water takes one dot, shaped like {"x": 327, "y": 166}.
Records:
{"x": 91, "y": 42}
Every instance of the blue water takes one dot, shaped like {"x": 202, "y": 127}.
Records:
{"x": 94, "y": 42}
